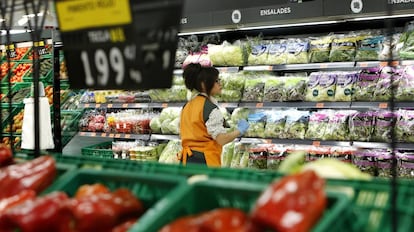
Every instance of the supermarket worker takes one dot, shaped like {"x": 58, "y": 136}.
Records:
{"x": 202, "y": 128}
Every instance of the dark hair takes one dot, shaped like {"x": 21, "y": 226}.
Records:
{"x": 195, "y": 74}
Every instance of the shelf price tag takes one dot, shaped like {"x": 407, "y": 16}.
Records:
{"x": 11, "y": 51}
{"x": 40, "y": 48}
{"x": 316, "y": 143}
{"x": 119, "y": 44}
{"x": 383, "y": 105}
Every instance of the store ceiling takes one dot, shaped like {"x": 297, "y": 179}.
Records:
{"x": 19, "y": 14}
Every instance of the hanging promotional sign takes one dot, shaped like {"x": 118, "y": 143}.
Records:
{"x": 119, "y": 44}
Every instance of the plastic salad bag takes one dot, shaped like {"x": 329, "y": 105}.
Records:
{"x": 320, "y": 48}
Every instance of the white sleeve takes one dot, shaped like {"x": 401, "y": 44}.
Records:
{"x": 215, "y": 123}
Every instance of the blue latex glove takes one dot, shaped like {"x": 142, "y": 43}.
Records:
{"x": 242, "y": 126}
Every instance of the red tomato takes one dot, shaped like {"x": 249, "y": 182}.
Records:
{"x": 294, "y": 203}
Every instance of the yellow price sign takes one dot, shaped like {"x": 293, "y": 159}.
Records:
{"x": 82, "y": 14}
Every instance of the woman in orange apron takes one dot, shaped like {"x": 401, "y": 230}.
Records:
{"x": 202, "y": 128}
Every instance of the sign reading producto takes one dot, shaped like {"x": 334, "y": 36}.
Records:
{"x": 119, "y": 44}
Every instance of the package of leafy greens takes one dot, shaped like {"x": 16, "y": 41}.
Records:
{"x": 227, "y": 154}
{"x": 318, "y": 124}
{"x": 241, "y": 150}
{"x": 343, "y": 154}
{"x": 297, "y": 51}
{"x": 227, "y": 95}
{"x": 254, "y": 89}
{"x": 327, "y": 86}
{"x": 294, "y": 88}
{"x": 391, "y": 48}
{"x": 273, "y": 89}
{"x": 361, "y": 126}
{"x": 367, "y": 84}
{"x": 404, "y": 126}
{"x": 233, "y": 53}
{"x": 369, "y": 48}
{"x": 383, "y": 126}
{"x": 338, "y": 126}
{"x": 405, "y": 90}
{"x": 389, "y": 78}
{"x": 276, "y": 52}
{"x": 169, "y": 153}
{"x": 239, "y": 113}
{"x": 258, "y": 52}
{"x": 275, "y": 124}
{"x": 232, "y": 81}
{"x": 345, "y": 85}
{"x": 312, "y": 87}
{"x": 257, "y": 157}
{"x": 343, "y": 48}
{"x": 215, "y": 53}
{"x": 296, "y": 124}
{"x": 275, "y": 155}
{"x": 320, "y": 48}
{"x": 366, "y": 161}
{"x": 407, "y": 38}
{"x": 257, "y": 123}
{"x": 406, "y": 165}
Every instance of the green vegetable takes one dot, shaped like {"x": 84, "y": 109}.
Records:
{"x": 333, "y": 168}
{"x": 320, "y": 49}
{"x": 293, "y": 162}
{"x": 343, "y": 48}
{"x": 297, "y": 51}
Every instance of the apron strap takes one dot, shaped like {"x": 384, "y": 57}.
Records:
{"x": 185, "y": 152}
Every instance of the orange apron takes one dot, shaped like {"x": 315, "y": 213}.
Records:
{"x": 194, "y": 135}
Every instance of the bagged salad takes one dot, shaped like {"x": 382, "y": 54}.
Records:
{"x": 383, "y": 126}
{"x": 367, "y": 84}
{"x": 257, "y": 121}
{"x": 345, "y": 86}
{"x": 405, "y": 90}
{"x": 312, "y": 87}
{"x": 297, "y": 51}
{"x": 294, "y": 88}
{"x": 320, "y": 48}
{"x": 273, "y": 89}
{"x": 343, "y": 48}
{"x": 361, "y": 126}
{"x": 275, "y": 124}
{"x": 254, "y": 88}
{"x": 277, "y": 52}
{"x": 404, "y": 126}
{"x": 318, "y": 124}
{"x": 296, "y": 124}
{"x": 407, "y": 38}
{"x": 389, "y": 77}
{"x": 338, "y": 125}
{"x": 257, "y": 156}
{"x": 227, "y": 154}
{"x": 258, "y": 51}
{"x": 368, "y": 46}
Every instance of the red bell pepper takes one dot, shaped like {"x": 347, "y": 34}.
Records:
{"x": 6, "y": 155}
{"x": 47, "y": 213}
{"x": 294, "y": 203}
{"x": 36, "y": 174}
{"x": 218, "y": 220}
{"x": 125, "y": 226}
{"x": 102, "y": 212}
{"x": 12, "y": 201}
{"x": 91, "y": 189}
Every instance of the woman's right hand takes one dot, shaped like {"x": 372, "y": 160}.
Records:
{"x": 242, "y": 126}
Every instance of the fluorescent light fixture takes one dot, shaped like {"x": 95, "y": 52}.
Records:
{"x": 202, "y": 32}
{"x": 22, "y": 21}
{"x": 289, "y": 25}
{"x": 382, "y": 17}
{"x": 12, "y": 32}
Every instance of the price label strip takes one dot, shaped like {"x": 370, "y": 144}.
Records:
{"x": 119, "y": 44}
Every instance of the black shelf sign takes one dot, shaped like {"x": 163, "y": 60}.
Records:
{"x": 119, "y": 44}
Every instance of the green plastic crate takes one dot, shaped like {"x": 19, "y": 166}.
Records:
{"x": 101, "y": 150}
{"x": 149, "y": 188}
{"x": 371, "y": 206}
{"x": 218, "y": 193}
